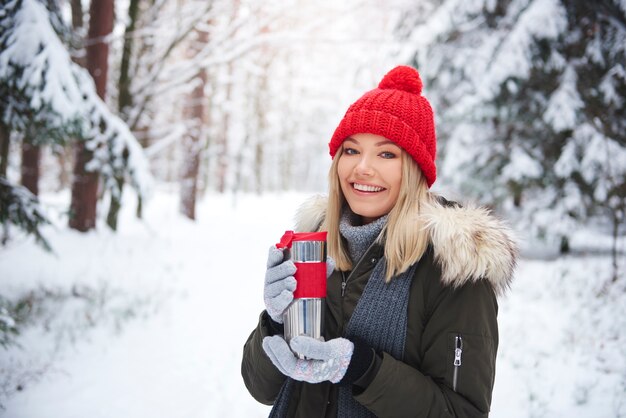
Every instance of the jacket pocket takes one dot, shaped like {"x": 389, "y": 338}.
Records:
{"x": 470, "y": 366}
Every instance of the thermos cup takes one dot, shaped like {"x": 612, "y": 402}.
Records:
{"x": 305, "y": 315}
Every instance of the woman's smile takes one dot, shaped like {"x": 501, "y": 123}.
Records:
{"x": 367, "y": 188}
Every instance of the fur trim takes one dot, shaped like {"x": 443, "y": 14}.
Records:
{"x": 470, "y": 243}
{"x": 311, "y": 214}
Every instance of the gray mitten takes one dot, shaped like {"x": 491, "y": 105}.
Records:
{"x": 279, "y": 284}
{"x": 327, "y": 360}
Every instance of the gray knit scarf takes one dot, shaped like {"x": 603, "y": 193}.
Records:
{"x": 379, "y": 318}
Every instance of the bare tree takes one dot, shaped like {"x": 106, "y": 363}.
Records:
{"x": 194, "y": 138}
{"x": 85, "y": 184}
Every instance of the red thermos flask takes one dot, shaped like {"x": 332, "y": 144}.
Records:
{"x": 305, "y": 315}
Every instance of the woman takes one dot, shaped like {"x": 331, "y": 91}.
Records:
{"x": 410, "y": 319}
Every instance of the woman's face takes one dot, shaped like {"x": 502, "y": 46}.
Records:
{"x": 370, "y": 174}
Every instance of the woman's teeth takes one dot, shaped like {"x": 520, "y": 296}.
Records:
{"x": 365, "y": 188}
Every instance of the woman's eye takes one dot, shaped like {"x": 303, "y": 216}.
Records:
{"x": 388, "y": 155}
{"x": 350, "y": 151}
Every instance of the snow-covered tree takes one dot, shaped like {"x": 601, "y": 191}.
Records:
{"x": 29, "y": 103}
{"x": 46, "y": 96}
{"x": 530, "y": 97}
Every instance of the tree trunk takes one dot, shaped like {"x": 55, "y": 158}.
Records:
{"x": 193, "y": 148}
{"x": 261, "y": 128}
{"x": 100, "y": 28}
{"x": 31, "y": 155}
{"x": 124, "y": 103}
{"x": 64, "y": 158}
{"x": 194, "y": 114}
{"x": 222, "y": 140}
{"x": 618, "y": 218}
{"x": 4, "y": 149}
{"x": 4, "y": 163}
{"x": 77, "y": 25}
{"x": 261, "y": 95}
{"x": 77, "y": 14}
{"x": 65, "y": 155}
{"x": 84, "y": 192}
{"x": 189, "y": 181}
{"x": 85, "y": 185}
{"x": 115, "y": 205}
{"x": 116, "y": 199}
{"x": 259, "y": 158}
{"x": 125, "y": 99}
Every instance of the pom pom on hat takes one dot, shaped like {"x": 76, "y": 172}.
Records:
{"x": 402, "y": 78}
{"x": 397, "y": 111}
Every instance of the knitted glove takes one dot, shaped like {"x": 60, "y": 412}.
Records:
{"x": 279, "y": 284}
{"x": 329, "y": 360}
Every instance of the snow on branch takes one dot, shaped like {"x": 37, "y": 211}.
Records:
{"x": 565, "y": 103}
{"x": 18, "y": 206}
{"x": 36, "y": 61}
{"x": 541, "y": 19}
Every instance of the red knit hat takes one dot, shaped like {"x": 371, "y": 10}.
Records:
{"x": 397, "y": 111}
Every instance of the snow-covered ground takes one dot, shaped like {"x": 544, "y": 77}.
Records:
{"x": 150, "y": 322}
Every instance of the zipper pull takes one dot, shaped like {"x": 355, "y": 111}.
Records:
{"x": 458, "y": 351}
{"x": 343, "y": 283}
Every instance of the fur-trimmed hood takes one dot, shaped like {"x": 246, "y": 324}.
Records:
{"x": 469, "y": 243}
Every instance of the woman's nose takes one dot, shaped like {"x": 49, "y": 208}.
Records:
{"x": 364, "y": 166}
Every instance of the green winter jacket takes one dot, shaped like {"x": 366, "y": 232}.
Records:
{"x": 448, "y": 366}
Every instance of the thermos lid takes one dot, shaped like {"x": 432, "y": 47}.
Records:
{"x": 290, "y": 236}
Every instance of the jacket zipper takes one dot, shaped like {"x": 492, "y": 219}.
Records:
{"x": 344, "y": 280}
{"x": 458, "y": 352}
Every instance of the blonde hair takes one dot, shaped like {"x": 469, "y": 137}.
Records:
{"x": 406, "y": 238}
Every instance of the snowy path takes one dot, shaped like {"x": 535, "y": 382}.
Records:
{"x": 183, "y": 361}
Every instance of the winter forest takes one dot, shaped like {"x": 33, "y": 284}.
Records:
{"x": 152, "y": 150}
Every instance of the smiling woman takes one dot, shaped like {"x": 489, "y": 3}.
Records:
{"x": 370, "y": 172}
{"x": 411, "y": 309}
